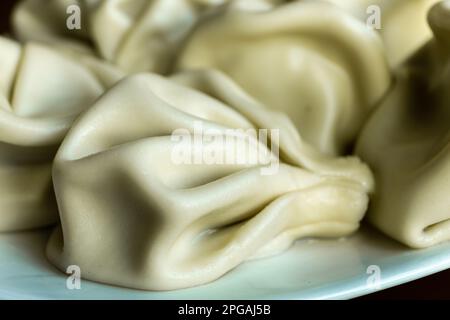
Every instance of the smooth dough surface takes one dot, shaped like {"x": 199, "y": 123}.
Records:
{"x": 41, "y": 93}
{"x": 131, "y": 215}
{"x": 407, "y": 144}
{"x": 321, "y": 66}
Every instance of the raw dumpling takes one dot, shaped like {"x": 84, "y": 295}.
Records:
{"x": 133, "y": 215}
{"x": 404, "y": 26}
{"x": 407, "y": 143}
{"x": 136, "y": 35}
{"x": 41, "y": 92}
{"x": 318, "y": 64}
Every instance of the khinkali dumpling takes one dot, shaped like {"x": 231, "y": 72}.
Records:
{"x": 133, "y": 215}
{"x": 407, "y": 143}
{"x": 136, "y": 35}
{"x": 317, "y": 63}
{"x": 41, "y": 93}
{"x": 403, "y": 23}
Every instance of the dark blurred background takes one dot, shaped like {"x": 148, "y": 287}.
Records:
{"x": 5, "y": 9}
{"x": 436, "y": 286}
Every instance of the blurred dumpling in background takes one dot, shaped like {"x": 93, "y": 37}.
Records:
{"x": 404, "y": 27}
{"x": 407, "y": 144}
{"x": 46, "y": 22}
{"x": 41, "y": 93}
{"x": 321, "y": 66}
{"x": 136, "y": 35}
{"x": 153, "y": 222}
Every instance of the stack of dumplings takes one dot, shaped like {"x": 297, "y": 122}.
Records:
{"x": 168, "y": 141}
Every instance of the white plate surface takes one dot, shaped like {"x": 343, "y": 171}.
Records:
{"x": 311, "y": 269}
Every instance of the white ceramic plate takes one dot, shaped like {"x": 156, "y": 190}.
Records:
{"x": 311, "y": 269}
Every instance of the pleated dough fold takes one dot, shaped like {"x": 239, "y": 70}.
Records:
{"x": 41, "y": 93}
{"x": 311, "y": 60}
{"x": 407, "y": 143}
{"x": 132, "y": 215}
{"x": 136, "y": 35}
{"x": 403, "y": 23}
